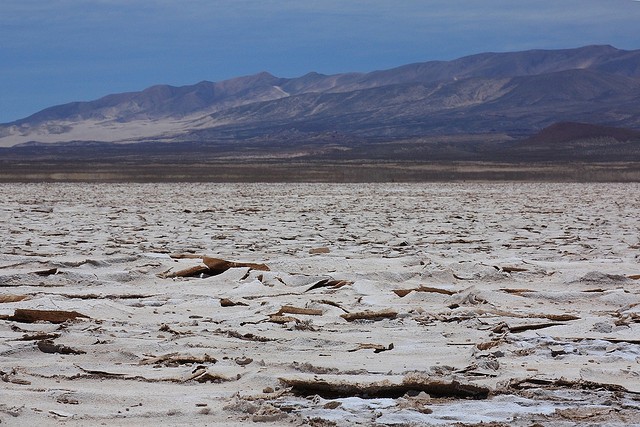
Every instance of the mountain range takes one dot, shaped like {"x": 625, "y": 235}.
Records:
{"x": 470, "y": 105}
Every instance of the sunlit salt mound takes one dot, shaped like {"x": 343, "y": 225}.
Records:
{"x": 563, "y": 132}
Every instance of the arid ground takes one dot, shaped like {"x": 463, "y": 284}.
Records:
{"x": 320, "y": 304}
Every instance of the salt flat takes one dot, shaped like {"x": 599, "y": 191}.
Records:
{"x": 370, "y": 304}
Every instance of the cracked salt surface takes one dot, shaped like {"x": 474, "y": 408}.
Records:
{"x": 526, "y": 290}
{"x": 386, "y": 411}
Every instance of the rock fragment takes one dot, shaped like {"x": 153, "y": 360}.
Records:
{"x": 322, "y": 250}
{"x": 48, "y": 346}
{"x": 369, "y": 315}
{"x": 24, "y": 315}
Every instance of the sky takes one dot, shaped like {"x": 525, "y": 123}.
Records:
{"x": 58, "y": 51}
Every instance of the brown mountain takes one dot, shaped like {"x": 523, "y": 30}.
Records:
{"x": 571, "y": 141}
{"x": 568, "y": 132}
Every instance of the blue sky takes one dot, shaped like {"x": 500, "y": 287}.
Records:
{"x": 58, "y": 51}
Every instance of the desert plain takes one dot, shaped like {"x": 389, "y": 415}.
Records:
{"x": 320, "y": 304}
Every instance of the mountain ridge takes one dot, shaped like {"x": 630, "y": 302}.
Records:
{"x": 516, "y": 93}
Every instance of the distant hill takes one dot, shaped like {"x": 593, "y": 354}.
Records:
{"x": 565, "y": 132}
{"x": 504, "y": 96}
{"x": 571, "y": 141}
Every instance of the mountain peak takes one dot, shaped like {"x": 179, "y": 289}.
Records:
{"x": 261, "y": 77}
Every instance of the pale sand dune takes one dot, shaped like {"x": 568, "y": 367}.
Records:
{"x": 525, "y": 296}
